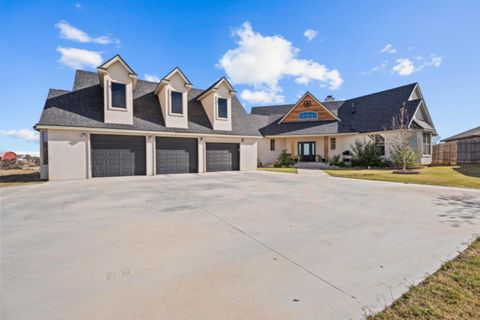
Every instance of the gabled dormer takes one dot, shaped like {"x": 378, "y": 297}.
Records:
{"x": 308, "y": 108}
{"x": 118, "y": 81}
{"x": 217, "y": 102}
{"x": 172, "y": 92}
{"x": 421, "y": 118}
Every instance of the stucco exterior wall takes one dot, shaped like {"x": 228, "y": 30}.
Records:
{"x": 209, "y": 103}
{"x": 117, "y": 73}
{"x": 173, "y": 120}
{"x": 67, "y": 155}
{"x": 265, "y": 155}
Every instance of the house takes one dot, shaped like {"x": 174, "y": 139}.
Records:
{"x": 113, "y": 124}
{"x": 315, "y": 130}
{"x": 9, "y": 155}
{"x": 462, "y": 148}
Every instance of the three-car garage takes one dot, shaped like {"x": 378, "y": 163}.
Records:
{"x": 119, "y": 155}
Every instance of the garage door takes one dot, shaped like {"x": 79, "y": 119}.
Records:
{"x": 114, "y": 155}
{"x": 176, "y": 155}
{"x": 223, "y": 157}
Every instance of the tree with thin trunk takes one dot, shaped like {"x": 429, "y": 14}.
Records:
{"x": 401, "y": 150}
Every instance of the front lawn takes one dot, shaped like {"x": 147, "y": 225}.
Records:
{"x": 285, "y": 170}
{"x": 453, "y": 292}
{"x": 467, "y": 176}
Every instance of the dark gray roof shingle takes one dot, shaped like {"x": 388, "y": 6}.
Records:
{"x": 369, "y": 113}
{"x": 475, "y": 132}
{"x": 83, "y": 107}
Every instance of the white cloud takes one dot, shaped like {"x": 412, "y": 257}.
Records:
{"x": 262, "y": 61}
{"x": 79, "y": 58}
{"x": 389, "y": 48}
{"x": 151, "y": 77}
{"x": 22, "y": 134}
{"x": 69, "y": 32}
{"x": 78, "y": 5}
{"x": 381, "y": 66}
{"x": 405, "y": 66}
{"x": 310, "y": 34}
{"x": 32, "y": 153}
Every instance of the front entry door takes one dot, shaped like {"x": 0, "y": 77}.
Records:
{"x": 307, "y": 151}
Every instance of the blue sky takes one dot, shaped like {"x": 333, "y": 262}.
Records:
{"x": 344, "y": 48}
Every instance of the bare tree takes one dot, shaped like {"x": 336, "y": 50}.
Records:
{"x": 401, "y": 150}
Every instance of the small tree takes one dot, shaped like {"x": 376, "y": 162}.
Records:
{"x": 365, "y": 155}
{"x": 284, "y": 159}
{"x": 400, "y": 148}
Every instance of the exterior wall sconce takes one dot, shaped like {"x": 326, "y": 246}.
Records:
{"x": 201, "y": 138}
{"x": 83, "y": 135}
{"x": 243, "y": 140}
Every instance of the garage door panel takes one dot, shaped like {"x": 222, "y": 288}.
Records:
{"x": 114, "y": 155}
{"x": 176, "y": 155}
{"x": 222, "y": 157}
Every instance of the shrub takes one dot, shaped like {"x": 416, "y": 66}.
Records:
{"x": 284, "y": 159}
{"x": 365, "y": 155}
{"x": 397, "y": 155}
{"x": 336, "y": 161}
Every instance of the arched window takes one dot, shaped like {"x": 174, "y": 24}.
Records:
{"x": 307, "y": 115}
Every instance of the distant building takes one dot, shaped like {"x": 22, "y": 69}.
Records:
{"x": 9, "y": 155}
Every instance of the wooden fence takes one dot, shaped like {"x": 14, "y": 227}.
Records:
{"x": 465, "y": 151}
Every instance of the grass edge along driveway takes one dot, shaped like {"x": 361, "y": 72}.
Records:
{"x": 467, "y": 176}
{"x": 453, "y": 292}
{"x": 284, "y": 170}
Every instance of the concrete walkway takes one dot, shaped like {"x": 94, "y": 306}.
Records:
{"x": 254, "y": 245}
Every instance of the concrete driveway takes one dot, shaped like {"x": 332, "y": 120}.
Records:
{"x": 254, "y": 245}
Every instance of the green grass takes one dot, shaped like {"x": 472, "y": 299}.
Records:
{"x": 453, "y": 292}
{"x": 467, "y": 176}
{"x": 285, "y": 170}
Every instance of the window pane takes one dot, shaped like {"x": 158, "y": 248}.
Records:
{"x": 333, "y": 143}
{"x": 272, "y": 144}
{"x": 119, "y": 95}
{"x": 222, "y": 108}
{"x": 307, "y": 115}
{"x": 177, "y": 102}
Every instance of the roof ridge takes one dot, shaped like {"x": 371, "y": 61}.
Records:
{"x": 383, "y": 91}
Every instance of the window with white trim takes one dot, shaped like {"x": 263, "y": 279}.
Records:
{"x": 222, "y": 108}
{"x": 272, "y": 144}
{"x": 176, "y": 100}
{"x": 427, "y": 144}
{"x": 119, "y": 95}
{"x": 333, "y": 143}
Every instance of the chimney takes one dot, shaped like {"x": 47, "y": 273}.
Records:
{"x": 329, "y": 98}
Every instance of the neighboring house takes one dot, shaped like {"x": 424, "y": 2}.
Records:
{"x": 462, "y": 148}
{"x": 9, "y": 155}
{"x": 112, "y": 124}
{"x": 316, "y": 130}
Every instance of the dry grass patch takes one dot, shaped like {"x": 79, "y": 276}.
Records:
{"x": 285, "y": 170}
{"x": 18, "y": 177}
{"x": 453, "y": 292}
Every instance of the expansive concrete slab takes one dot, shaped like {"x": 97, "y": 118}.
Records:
{"x": 254, "y": 245}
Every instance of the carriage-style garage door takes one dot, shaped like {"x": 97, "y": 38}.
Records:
{"x": 114, "y": 155}
{"x": 223, "y": 157}
{"x": 176, "y": 155}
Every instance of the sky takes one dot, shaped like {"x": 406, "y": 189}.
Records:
{"x": 271, "y": 51}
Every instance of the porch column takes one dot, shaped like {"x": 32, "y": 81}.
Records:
{"x": 325, "y": 148}
{"x": 293, "y": 148}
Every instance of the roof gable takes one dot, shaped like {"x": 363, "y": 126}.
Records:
{"x": 308, "y": 102}
{"x": 116, "y": 58}
{"x": 215, "y": 86}
{"x": 165, "y": 80}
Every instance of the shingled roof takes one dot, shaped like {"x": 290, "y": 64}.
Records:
{"x": 369, "y": 113}
{"x": 83, "y": 107}
{"x": 475, "y": 132}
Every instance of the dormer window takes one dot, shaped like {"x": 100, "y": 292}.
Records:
{"x": 222, "y": 108}
{"x": 176, "y": 102}
{"x": 119, "y": 95}
{"x": 307, "y": 115}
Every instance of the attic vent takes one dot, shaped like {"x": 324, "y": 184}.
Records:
{"x": 329, "y": 98}
{"x": 353, "y": 108}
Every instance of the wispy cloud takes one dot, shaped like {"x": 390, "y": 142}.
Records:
{"x": 22, "y": 134}
{"x": 389, "y": 48}
{"x": 69, "y": 32}
{"x": 381, "y": 66}
{"x": 78, "y": 5}
{"x": 406, "y": 66}
{"x": 151, "y": 77}
{"x": 310, "y": 34}
{"x": 79, "y": 58}
{"x": 262, "y": 61}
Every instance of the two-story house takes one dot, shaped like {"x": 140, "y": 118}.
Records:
{"x": 113, "y": 124}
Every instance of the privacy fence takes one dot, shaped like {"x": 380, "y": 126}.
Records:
{"x": 466, "y": 151}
